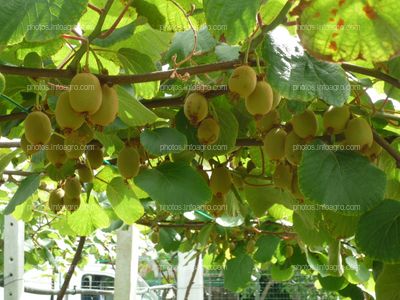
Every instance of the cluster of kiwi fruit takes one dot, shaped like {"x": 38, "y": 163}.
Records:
{"x": 86, "y": 106}
{"x": 283, "y": 143}
{"x": 196, "y": 111}
{"x": 259, "y": 97}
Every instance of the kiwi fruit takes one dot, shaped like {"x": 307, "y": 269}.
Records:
{"x": 268, "y": 121}
{"x": 295, "y": 187}
{"x": 33, "y": 60}
{"x": 243, "y": 81}
{"x": 109, "y": 107}
{"x": 288, "y": 251}
{"x": 85, "y": 174}
{"x": 292, "y": 148}
{"x": 260, "y": 101}
{"x": 208, "y": 131}
{"x": 56, "y": 201}
{"x": 74, "y": 148}
{"x": 305, "y": 125}
{"x": 220, "y": 181}
{"x": 72, "y": 203}
{"x": 274, "y": 144}
{"x": 128, "y": 162}
{"x": 251, "y": 246}
{"x": 95, "y": 157}
{"x": 37, "y": 128}
{"x": 195, "y": 108}
{"x": 85, "y": 95}
{"x": 27, "y": 147}
{"x": 72, "y": 187}
{"x": 358, "y": 132}
{"x": 373, "y": 151}
{"x": 276, "y": 99}
{"x": 66, "y": 117}
{"x": 2, "y": 83}
{"x": 283, "y": 176}
{"x": 55, "y": 153}
{"x": 216, "y": 206}
{"x": 335, "y": 119}
{"x": 155, "y": 237}
{"x": 85, "y": 133}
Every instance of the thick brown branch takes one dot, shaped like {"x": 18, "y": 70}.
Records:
{"x": 13, "y": 116}
{"x": 191, "y": 281}
{"x": 75, "y": 261}
{"x": 10, "y": 144}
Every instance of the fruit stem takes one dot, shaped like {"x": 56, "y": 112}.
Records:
{"x": 59, "y": 134}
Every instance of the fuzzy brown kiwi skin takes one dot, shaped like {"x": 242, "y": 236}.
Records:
{"x": 358, "y": 132}
{"x": 260, "y": 101}
{"x": 66, "y": 117}
{"x": 56, "y": 201}
{"x": 267, "y": 122}
{"x": 335, "y": 119}
{"x": 55, "y": 153}
{"x": 72, "y": 203}
{"x": 274, "y": 144}
{"x": 195, "y": 108}
{"x": 109, "y": 107}
{"x": 85, "y": 174}
{"x": 72, "y": 187}
{"x": 128, "y": 162}
{"x": 37, "y": 128}
{"x": 283, "y": 176}
{"x": 27, "y": 147}
{"x": 305, "y": 124}
{"x": 95, "y": 157}
{"x": 208, "y": 131}
{"x": 293, "y": 145}
{"x": 220, "y": 181}
{"x": 85, "y": 95}
{"x": 243, "y": 81}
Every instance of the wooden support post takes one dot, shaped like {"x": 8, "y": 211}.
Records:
{"x": 13, "y": 258}
{"x": 126, "y": 275}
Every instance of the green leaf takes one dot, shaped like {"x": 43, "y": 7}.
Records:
{"x": 57, "y": 174}
{"x": 138, "y": 63}
{"x": 38, "y": 20}
{"x": 237, "y": 273}
{"x": 89, "y": 217}
{"x": 225, "y": 52}
{"x": 25, "y": 189}
{"x": 163, "y": 15}
{"x": 175, "y": 186}
{"x": 350, "y": 30}
{"x": 131, "y": 111}
{"x": 345, "y": 182}
{"x": 232, "y": 19}
{"x": 266, "y": 246}
{"x": 169, "y": 239}
{"x": 297, "y": 75}
{"x": 378, "y": 232}
{"x": 24, "y": 211}
{"x": 161, "y": 141}
{"x": 124, "y": 201}
{"x": 307, "y": 226}
{"x": 183, "y": 43}
{"x": 6, "y": 159}
{"x": 118, "y": 35}
{"x": 387, "y": 285}
{"x": 271, "y": 9}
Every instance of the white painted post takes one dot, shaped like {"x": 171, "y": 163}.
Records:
{"x": 126, "y": 274}
{"x": 185, "y": 271}
{"x": 13, "y": 258}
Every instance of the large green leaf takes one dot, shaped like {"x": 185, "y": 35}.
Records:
{"x": 387, "y": 285}
{"x": 89, "y": 217}
{"x": 237, "y": 273}
{"x": 343, "y": 181}
{"x": 350, "y": 30}
{"x": 297, "y": 75}
{"x": 131, "y": 111}
{"x": 378, "y": 232}
{"x": 138, "y": 63}
{"x": 38, "y": 20}
{"x": 177, "y": 187}
{"x": 25, "y": 189}
{"x": 231, "y": 19}
{"x": 266, "y": 246}
{"x": 162, "y": 141}
{"x": 124, "y": 201}
{"x": 183, "y": 44}
{"x": 6, "y": 159}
